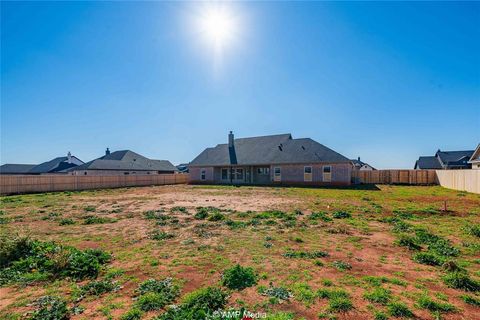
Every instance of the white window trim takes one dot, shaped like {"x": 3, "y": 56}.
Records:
{"x": 329, "y": 174}
{"x": 308, "y": 177}
{"x": 275, "y": 176}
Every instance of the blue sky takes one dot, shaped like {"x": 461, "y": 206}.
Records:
{"x": 384, "y": 81}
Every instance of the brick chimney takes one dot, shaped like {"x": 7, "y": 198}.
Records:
{"x": 230, "y": 139}
{"x": 107, "y": 152}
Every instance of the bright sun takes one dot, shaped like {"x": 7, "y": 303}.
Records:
{"x": 218, "y": 25}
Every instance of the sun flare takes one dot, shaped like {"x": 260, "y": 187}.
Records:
{"x": 218, "y": 25}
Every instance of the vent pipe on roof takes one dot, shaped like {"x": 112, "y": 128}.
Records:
{"x": 358, "y": 159}
{"x": 230, "y": 139}
{"x": 69, "y": 157}
{"x": 107, "y": 152}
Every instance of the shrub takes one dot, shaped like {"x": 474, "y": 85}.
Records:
{"x": 341, "y": 265}
{"x": 13, "y": 247}
{"x": 332, "y": 293}
{"x": 474, "y": 301}
{"x": 66, "y": 221}
{"x": 132, "y": 314}
{"x": 428, "y": 303}
{"x": 399, "y": 309}
{"x": 239, "y": 277}
{"x": 50, "y": 308}
{"x": 97, "y": 220}
{"x": 341, "y": 215}
{"x": 205, "y": 299}
{"x": 378, "y": 295}
{"x": 428, "y": 258}
{"x": 305, "y": 255}
{"x": 202, "y": 213}
{"x": 161, "y": 235}
{"x": 461, "y": 280}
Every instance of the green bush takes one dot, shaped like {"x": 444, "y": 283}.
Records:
{"x": 378, "y": 295}
{"x": 13, "y": 247}
{"x": 428, "y": 258}
{"x": 50, "y": 308}
{"x": 461, "y": 280}
{"x": 239, "y": 277}
{"x": 132, "y": 314}
{"x": 341, "y": 215}
{"x": 399, "y": 309}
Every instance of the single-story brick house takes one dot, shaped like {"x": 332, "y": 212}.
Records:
{"x": 445, "y": 160}
{"x": 58, "y": 165}
{"x": 123, "y": 162}
{"x": 276, "y": 159}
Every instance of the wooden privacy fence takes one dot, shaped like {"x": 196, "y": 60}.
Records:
{"x": 465, "y": 180}
{"x": 420, "y": 177}
{"x": 16, "y": 184}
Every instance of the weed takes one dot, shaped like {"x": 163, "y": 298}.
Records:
{"x": 99, "y": 287}
{"x": 97, "y": 220}
{"x": 216, "y": 216}
{"x": 151, "y": 301}
{"x": 239, "y": 278}
{"x": 305, "y": 255}
{"x": 276, "y": 292}
{"x": 165, "y": 287}
{"x": 428, "y": 258}
{"x": 303, "y": 292}
{"x": 341, "y": 265}
{"x": 332, "y": 293}
{"x": 179, "y": 209}
{"x": 378, "y": 295}
{"x": 161, "y": 235}
{"x": 340, "y": 304}
{"x": 232, "y": 224}
{"x": 399, "y": 309}
{"x": 473, "y": 230}
{"x": 89, "y": 209}
{"x": 341, "y": 215}
{"x": 50, "y": 308}
{"x": 202, "y": 213}
{"x": 425, "y": 302}
{"x": 66, "y": 222}
{"x": 474, "y": 301}
{"x": 401, "y": 226}
{"x": 132, "y": 314}
{"x": 320, "y": 216}
{"x": 409, "y": 242}
{"x": 461, "y": 280}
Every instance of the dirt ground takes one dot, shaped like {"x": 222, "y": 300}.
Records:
{"x": 200, "y": 250}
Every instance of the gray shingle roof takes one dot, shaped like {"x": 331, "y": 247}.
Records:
{"x": 58, "y": 164}
{"x": 454, "y": 157}
{"x": 15, "y": 168}
{"x": 428, "y": 163}
{"x": 126, "y": 160}
{"x": 274, "y": 149}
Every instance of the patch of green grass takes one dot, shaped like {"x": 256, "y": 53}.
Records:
{"x": 473, "y": 230}
{"x": 399, "y": 310}
{"x": 341, "y": 215}
{"x": 340, "y": 305}
{"x": 428, "y": 258}
{"x": 341, "y": 265}
{"x": 320, "y": 216}
{"x": 303, "y": 292}
{"x": 305, "y": 255}
{"x": 179, "y": 209}
{"x": 132, "y": 314}
{"x": 99, "y": 287}
{"x": 66, "y": 222}
{"x": 97, "y": 220}
{"x": 461, "y": 280}
{"x": 161, "y": 235}
{"x": 425, "y": 302}
{"x": 472, "y": 300}
{"x": 89, "y": 209}
{"x": 378, "y": 295}
{"x": 216, "y": 216}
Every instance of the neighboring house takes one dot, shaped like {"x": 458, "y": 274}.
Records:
{"x": 123, "y": 162}
{"x": 13, "y": 168}
{"x": 475, "y": 158}
{"x": 275, "y": 159}
{"x": 57, "y": 165}
{"x": 183, "y": 168}
{"x": 445, "y": 160}
{"x": 362, "y": 166}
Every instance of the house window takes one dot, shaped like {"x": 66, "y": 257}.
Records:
{"x": 307, "y": 173}
{"x": 239, "y": 174}
{"x": 126, "y": 173}
{"x": 277, "y": 174}
{"x": 263, "y": 171}
{"x": 203, "y": 174}
{"x": 224, "y": 174}
{"x": 327, "y": 173}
